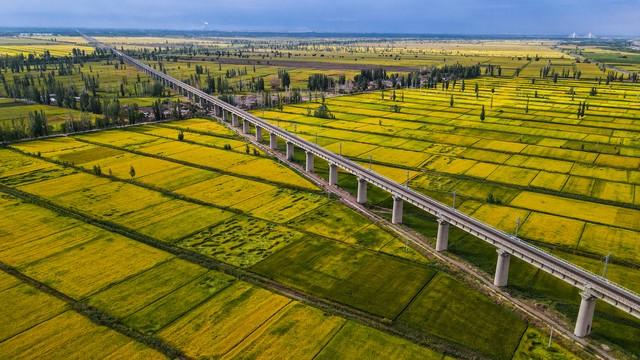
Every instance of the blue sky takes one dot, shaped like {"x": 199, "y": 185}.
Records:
{"x": 525, "y": 17}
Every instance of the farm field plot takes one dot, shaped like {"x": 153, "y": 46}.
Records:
{"x": 114, "y": 202}
{"x": 217, "y": 326}
{"x": 507, "y": 157}
{"x": 18, "y": 169}
{"x": 33, "y": 308}
{"x": 80, "y": 338}
{"x": 180, "y": 301}
{"x": 201, "y": 125}
{"x": 18, "y": 112}
{"x": 7, "y": 281}
{"x": 22, "y": 45}
{"x": 226, "y": 190}
{"x": 242, "y": 241}
{"x": 83, "y": 270}
{"x": 281, "y": 205}
{"x": 345, "y": 225}
{"x": 442, "y": 309}
{"x": 217, "y": 159}
{"x": 45, "y": 223}
{"x": 336, "y": 271}
{"x": 136, "y": 292}
{"x": 39, "y": 50}
{"x": 297, "y": 330}
{"x": 36, "y": 324}
{"x": 25, "y": 250}
{"x": 171, "y": 130}
{"x": 355, "y": 341}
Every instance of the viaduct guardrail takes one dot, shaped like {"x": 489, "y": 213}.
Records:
{"x": 592, "y": 286}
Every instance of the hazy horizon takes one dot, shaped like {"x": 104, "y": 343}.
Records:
{"x": 460, "y": 17}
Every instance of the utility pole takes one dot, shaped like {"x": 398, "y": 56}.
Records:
{"x": 550, "y": 335}
{"x": 370, "y": 162}
{"x": 517, "y": 226}
{"x": 406, "y": 184}
{"x": 606, "y": 265}
{"x": 453, "y": 203}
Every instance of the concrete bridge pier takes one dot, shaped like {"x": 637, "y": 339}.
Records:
{"x": 361, "y": 198}
{"x": 224, "y": 115}
{"x": 333, "y": 174}
{"x": 585, "y": 314}
{"x": 245, "y": 127}
{"x": 396, "y": 215}
{"x": 273, "y": 141}
{"x": 308, "y": 165}
{"x": 289, "y": 151}
{"x": 442, "y": 240}
{"x": 501, "y": 277}
{"x": 234, "y": 120}
{"x": 258, "y": 133}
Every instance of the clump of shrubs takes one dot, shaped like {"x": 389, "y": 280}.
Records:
{"x": 491, "y": 199}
